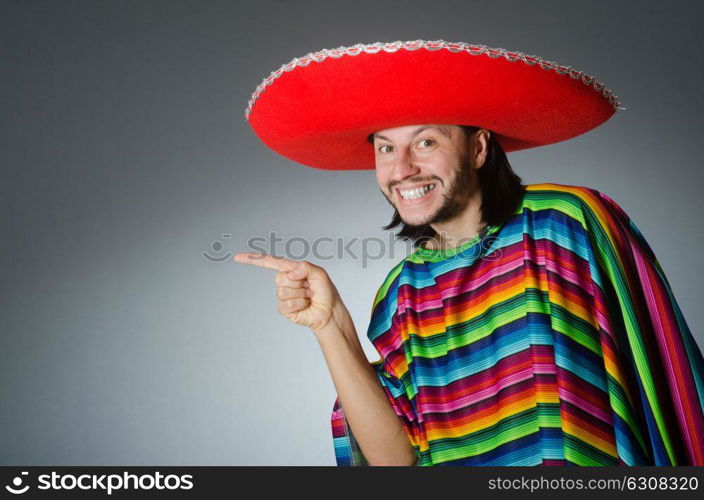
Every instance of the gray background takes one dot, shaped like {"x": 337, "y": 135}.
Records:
{"x": 125, "y": 156}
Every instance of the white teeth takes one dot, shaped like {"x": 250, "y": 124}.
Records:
{"x": 412, "y": 194}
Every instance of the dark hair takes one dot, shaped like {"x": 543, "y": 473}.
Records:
{"x": 502, "y": 191}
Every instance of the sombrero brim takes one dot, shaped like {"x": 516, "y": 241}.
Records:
{"x": 319, "y": 110}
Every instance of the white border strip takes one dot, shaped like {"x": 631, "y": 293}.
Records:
{"x": 474, "y": 50}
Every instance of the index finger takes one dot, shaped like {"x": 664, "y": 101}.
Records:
{"x": 263, "y": 260}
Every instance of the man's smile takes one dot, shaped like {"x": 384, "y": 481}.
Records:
{"x": 415, "y": 194}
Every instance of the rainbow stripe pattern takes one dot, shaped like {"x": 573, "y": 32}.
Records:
{"x": 552, "y": 339}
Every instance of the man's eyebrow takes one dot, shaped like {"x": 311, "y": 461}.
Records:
{"x": 379, "y": 136}
{"x": 415, "y": 132}
{"x": 440, "y": 129}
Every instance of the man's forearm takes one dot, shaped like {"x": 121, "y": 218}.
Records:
{"x": 373, "y": 421}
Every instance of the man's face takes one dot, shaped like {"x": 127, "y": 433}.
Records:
{"x": 424, "y": 171}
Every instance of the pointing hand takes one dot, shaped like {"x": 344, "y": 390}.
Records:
{"x": 306, "y": 294}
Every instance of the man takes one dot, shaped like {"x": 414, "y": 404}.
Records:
{"x": 532, "y": 325}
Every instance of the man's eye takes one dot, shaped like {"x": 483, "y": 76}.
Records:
{"x": 425, "y": 143}
{"x": 384, "y": 148}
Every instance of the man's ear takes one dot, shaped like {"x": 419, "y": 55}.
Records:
{"x": 480, "y": 147}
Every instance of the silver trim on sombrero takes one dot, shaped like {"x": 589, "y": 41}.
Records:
{"x": 472, "y": 49}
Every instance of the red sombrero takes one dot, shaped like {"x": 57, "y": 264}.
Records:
{"x": 319, "y": 109}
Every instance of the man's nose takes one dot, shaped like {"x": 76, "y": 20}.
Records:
{"x": 404, "y": 166}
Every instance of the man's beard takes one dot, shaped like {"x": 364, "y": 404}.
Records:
{"x": 454, "y": 201}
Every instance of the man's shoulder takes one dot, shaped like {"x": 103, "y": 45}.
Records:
{"x": 555, "y": 191}
{"x": 593, "y": 209}
{"x": 568, "y": 198}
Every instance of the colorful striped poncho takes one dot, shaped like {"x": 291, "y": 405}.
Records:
{"x": 551, "y": 339}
